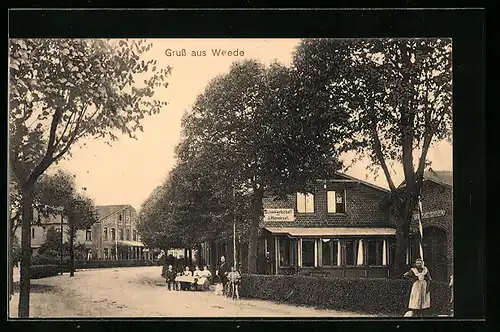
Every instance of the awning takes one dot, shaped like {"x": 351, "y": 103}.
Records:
{"x": 332, "y": 231}
{"x": 131, "y": 243}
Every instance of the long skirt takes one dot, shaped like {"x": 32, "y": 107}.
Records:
{"x": 419, "y": 298}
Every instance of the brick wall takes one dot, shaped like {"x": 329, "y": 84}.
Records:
{"x": 438, "y": 197}
{"x": 363, "y": 208}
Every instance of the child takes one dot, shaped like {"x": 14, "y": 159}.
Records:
{"x": 170, "y": 278}
{"x": 234, "y": 279}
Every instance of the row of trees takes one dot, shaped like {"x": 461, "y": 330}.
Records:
{"x": 65, "y": 90}
{"x": 269, "y": 131}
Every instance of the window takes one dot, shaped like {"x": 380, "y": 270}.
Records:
{"x": 105, "y": 233}
{"x": 120, "y": 217}
{"x": 88, "y": 235}
{"x": 113, "y": 253}
{"x": 308, "y": 252}
{"x": 113, "y": 234}
{"x": 32, "y": 232}
{"x": 121, "y": 234}
{"x": 285, "y": 246}
{"x": 375, "y": 252}
{"x": 127, "y": 234}
{"x": 134, "y": 235}
{"x": 305, "y": 203}
{"x": 351, "y": 252}
{"x": 329, "y": 252}
{"x": 336, "y": 201}
{"x": 106, "y": 253}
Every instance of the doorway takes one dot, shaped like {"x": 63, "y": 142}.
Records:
{"x": 435, "y": 257}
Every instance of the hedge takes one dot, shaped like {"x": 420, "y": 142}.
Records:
{"x": 39, "y": 271}
{"x": 93, "y": 264}
{"x": 44, "y": 271}
{"x": 372, "y": 296}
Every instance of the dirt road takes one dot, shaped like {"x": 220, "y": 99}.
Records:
{"x": 141, "y": 292}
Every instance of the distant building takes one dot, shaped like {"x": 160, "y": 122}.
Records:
{"x": 114, "y": 236}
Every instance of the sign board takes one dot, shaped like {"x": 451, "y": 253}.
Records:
{"x": 279, "y": 215}
{"x": 431, "y": 214}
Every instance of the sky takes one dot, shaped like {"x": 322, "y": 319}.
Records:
{"x": 130, "y": 170}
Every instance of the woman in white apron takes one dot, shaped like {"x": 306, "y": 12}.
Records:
{"x": 420, "y": 296}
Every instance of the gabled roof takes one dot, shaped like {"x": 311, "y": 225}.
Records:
{"x": 366, "y": 183}
{"x": 444, "y": 178}
{"x": 107, "y": 210}
{"x": 440, "y": 177}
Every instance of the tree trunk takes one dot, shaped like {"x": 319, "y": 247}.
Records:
{"x": 71, "y": 250}
{"x": 213, "y": 257}
{"x": 190, "y": 252}
{"x": 253, "y": 232}
{"x": 404, "y": 214}
{"x": 11, "y": 265}
{"x": 244, "y": 257}
{"x": 401, "y": 249}
{"x": 11, "y": 258}
{"x": 24, "y": 284}
{"x": 198, "y": 255}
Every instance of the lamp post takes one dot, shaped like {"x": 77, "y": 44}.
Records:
{"x": 116, "y": 238}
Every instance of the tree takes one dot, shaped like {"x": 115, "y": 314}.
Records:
{"x": 82, "y": 214}
{"x": 63, "y": 90}
{"x": 49, "y": 194}
{"x": 251, "y": 127}
{"x": 397, "y": 93}
{"x": 194, "y": 205}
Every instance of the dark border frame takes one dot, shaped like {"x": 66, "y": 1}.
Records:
{"x": 465, "y": 26}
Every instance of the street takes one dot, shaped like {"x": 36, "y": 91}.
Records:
{"x": 141, "y": 292}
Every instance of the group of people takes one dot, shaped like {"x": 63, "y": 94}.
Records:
{"x": 228, "y": 278}
{"x": 197, "y": 279}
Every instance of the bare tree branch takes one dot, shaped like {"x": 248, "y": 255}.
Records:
{"x": 377, "y": 146}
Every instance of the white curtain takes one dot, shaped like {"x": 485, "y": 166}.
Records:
{"x": 360, "y": 253}
{"x": 384, "y": 253}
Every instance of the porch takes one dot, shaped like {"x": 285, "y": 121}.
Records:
{"x": 331, "y": 252}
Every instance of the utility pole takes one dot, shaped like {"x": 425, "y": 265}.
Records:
{"x": 116, "y": 238}
{"x": 421, "y": 231}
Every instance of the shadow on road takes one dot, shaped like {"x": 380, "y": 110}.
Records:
{"x": 35, "y": 288}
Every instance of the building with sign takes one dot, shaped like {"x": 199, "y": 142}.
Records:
{"x": 340, "y": 229}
